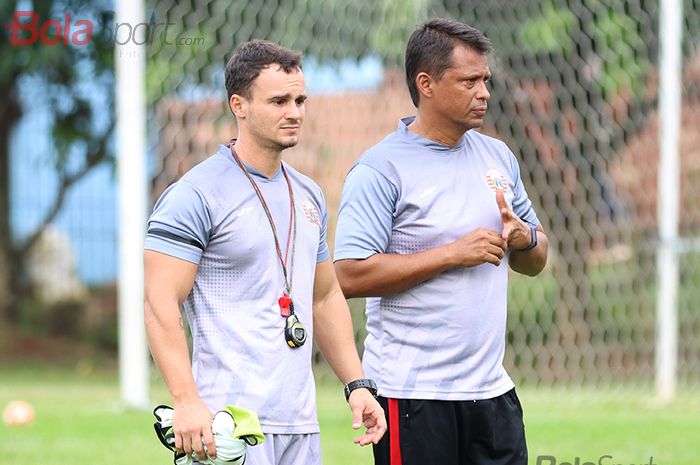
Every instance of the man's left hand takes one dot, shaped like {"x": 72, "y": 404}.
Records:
{"x": 516, "y": 232}
{"x": 367, "y": 411}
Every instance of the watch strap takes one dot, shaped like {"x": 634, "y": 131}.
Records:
{"x": 358, "y": 384}
{"x": 533, "y": 240}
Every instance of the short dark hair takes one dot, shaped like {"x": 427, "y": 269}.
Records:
{"x": 430, "y": 47}
{"x": 251, "y": 58}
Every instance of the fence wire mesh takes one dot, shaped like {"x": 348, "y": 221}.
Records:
{"x": 574, "y": 94}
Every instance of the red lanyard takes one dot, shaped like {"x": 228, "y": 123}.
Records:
{"x": 284, "y": 301}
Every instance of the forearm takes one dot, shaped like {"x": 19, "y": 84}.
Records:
{"x": 166, "y": 338}
{"x": 334, "y": 336}
{"x": 387, "y": 274}
{"x": 167, "y": 282}
{"x": 531, "y": 262}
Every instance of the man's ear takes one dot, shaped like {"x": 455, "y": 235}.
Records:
{"x": 424, "y": 84}
{"x": 237, "y": 104}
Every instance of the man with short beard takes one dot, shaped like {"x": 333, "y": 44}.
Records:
{"x": 240, "y": 243}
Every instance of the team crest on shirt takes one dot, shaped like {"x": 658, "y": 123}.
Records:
{"x": 496, "y": 180}
{"x": 311, "y": 213}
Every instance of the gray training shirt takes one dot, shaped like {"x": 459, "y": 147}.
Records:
{"x": 213, "y": 218}
{"x": 444, "y": 338}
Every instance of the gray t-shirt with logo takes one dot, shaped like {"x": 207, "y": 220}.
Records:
{"x": 212, "y": 217}
{"x": 444, "y": 338}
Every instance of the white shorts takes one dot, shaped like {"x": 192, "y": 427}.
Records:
{"x": 286, "y": 449}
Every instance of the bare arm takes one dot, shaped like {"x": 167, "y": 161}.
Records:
{"x": 167, "y": 282}
{"x": 386, "y": 274}
{"x": 335, "y": 338}
{"x": 531, "y": 262}
{"x": 333, "y": 326}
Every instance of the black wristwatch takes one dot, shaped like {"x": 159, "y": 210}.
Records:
{"x": 533, "y": 240}
{"x": 360, "y": 383}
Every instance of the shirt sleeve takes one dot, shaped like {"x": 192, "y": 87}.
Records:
{"x": 365, "y": 215}
{"x": 323, "y": 251}
{"x": 522, "y": 206}
{"x": 180, "y": 224}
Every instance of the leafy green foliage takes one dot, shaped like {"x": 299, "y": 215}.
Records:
{"x": 624, "y": 67}
{"x": 549, "y": 32}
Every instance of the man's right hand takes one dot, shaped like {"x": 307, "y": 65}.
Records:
{"x": 478, "y": 247}
{"x": 192, "y": 428}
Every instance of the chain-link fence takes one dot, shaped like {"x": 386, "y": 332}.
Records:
{"x": 575, "y": 93}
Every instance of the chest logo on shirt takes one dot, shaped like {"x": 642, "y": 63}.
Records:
{"x": 242, "y": 211}
{"x": 496, "y": 180}
{"x": 311, "y": 213}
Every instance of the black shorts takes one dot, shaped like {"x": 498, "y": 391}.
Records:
{"x": 438, "y": 432}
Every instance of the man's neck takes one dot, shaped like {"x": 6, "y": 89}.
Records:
{"x": 429, "y": 128}
{"x": 263, "y": 160}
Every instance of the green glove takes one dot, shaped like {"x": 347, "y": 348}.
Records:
{"x": 247, "y": 425}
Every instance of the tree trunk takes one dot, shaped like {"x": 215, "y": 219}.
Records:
{"x": 10, "y": 113}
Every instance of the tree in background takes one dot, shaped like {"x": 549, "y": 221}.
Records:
{"x": 80, "y": 132}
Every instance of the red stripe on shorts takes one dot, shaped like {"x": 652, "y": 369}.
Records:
{"x": 394, "y": 437}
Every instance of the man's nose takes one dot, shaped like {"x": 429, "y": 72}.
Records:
{"x": 483, "y": 92}
{"x": 294, "y": 111}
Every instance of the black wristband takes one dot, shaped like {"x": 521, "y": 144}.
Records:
{"x": 358, "y": 384}
{"x": 533, "y": 240}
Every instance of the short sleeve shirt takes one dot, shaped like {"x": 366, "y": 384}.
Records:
{"x": 444, "y": 338}
{"x": 212, "y": 217}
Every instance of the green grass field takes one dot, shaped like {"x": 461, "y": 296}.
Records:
{"x": 79, "y": 422}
